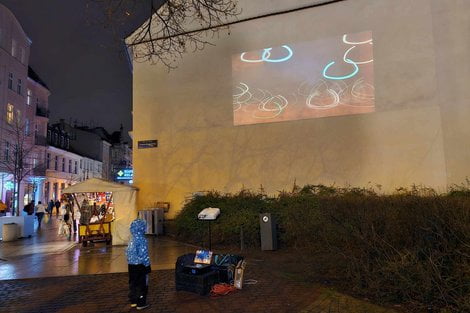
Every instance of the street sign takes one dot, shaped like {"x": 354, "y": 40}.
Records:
{"x": 125, "y": 174}
{"x": 145, "y": 144}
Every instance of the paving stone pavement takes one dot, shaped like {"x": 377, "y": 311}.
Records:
{"x": 108, "y": 293}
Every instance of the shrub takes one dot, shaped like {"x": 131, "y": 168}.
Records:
{"x": 409, "y": 247}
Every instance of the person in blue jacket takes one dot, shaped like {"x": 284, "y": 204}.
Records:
{"x": 138, "y": 264}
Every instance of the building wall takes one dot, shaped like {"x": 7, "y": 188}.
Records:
{"x": 14, "y": 57}
{"x": 60, "y": 176}
{"x": 418, "y": 133}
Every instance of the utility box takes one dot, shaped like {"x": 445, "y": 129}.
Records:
{"x": 268, "y": 230}
{"x": 154, "y": 219}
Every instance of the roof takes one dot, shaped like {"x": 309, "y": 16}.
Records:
{"x": 98, "y": 185}
{"x": 32, "y": 74}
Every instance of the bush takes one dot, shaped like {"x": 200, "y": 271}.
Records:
{"x": 409, "y": 247}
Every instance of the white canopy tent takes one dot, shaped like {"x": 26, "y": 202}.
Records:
{"x": 124, "y": 200}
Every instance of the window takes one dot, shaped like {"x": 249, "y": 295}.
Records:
{"x": 7, "y": 151}
{"x": 61, "y": 141}
{"x": 10, "y": 81}
{"x": 10, "y": 114}
{"x": 56, "y": 162}
{"x": 26, "y": 127}
{"x": 35, "y": 162}
{"x": 63, "y": 164}
{"x": 48, "y": 161}
{"x": 18, "y": 87}
{"x": 13, "y": 47}
{"x": 29, "y": 96}
{"x": 70, "y": 166}
{"x": 81, "y": 164}
{"x": 76, "y": 165}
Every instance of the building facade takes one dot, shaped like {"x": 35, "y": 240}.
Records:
{"x": 65, "y": 167}
{"x": 88, "y": 143}
{"x": 404, "y": 123}
{"x": 22, "y": 130}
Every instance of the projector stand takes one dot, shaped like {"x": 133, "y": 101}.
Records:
{"x": 210, "y": 237}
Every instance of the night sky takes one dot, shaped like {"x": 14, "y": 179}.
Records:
{"x": 82, "y": 62}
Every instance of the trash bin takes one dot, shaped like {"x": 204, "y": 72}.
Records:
{"x": 9, "y": 232}
{"x": 154, "y": 219}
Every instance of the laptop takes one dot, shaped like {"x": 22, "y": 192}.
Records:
{"x": 202, "y": 262}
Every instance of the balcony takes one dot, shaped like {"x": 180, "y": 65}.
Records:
{"x": 40, "y": 140}
{"x": 42, "y": 112}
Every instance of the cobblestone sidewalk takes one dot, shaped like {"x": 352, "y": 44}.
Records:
{"x": 108, "y": 293}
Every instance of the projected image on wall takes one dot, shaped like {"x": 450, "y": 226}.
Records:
{"x": 328, "y": 77}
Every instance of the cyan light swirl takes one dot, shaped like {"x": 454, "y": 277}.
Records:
{"x": 354, "y": 72}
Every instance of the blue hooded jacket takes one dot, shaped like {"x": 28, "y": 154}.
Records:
{"x": 137, "y": 249}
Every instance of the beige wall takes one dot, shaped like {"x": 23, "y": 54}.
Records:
{"x": 418, "y": 134}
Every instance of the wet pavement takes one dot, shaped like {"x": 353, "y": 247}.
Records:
{"x": 47, "y": 254}
{"x": 48, "y": 273}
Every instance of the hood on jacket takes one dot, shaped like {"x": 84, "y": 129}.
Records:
{"x": 138, "y": 227}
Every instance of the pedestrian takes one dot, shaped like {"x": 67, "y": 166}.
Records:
{"x": 50, "y": 207}
{"x": 29, "y": 208}
{"x": 65, "y": 212}
{"x": 40, "y": 211}
{"x": 138, "y": 264}
{"x": 57, "y": 206}
{"x": 76, "y": 218}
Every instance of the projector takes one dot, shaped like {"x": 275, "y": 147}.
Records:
{"x": 209, "y": 214}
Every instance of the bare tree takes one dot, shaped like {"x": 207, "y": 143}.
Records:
{"x": 20, "y": 158}
{"x": 174, "y": 26}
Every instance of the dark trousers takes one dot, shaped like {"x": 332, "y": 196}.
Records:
{"x": 138, "y": 284}
{"x": 40, "y": 215}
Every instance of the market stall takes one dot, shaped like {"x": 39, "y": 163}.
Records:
{"x": 120, "y": 209}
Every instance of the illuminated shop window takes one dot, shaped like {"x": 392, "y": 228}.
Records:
{"x": 10, "y": 114}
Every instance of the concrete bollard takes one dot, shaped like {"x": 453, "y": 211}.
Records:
{"x": 9, "y": 232}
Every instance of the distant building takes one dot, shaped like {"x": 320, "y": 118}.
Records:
{"x": 88, "y": 144}
{"x": 64, "y": 166}
{"x": 98, "y": 144}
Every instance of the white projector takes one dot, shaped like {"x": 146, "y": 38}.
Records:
{"x": 209, "y": 214}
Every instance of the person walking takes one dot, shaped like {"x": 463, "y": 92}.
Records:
{"x": 40, "y": 211}
{"x": 57, "y": 206}
{"x": 50, "y": 207}
{"x": 65, "y": 212}
{"x": 138, "y": 264}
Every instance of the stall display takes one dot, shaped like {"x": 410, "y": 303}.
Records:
{"x": 106, "y": 210}
{"x": 95, "y": 224}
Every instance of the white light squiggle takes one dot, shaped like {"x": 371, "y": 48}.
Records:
{"x": 333, "y": 104}
{"x": 345, "y": 40}
{"x": 265, "y": 57}
{"x": 345, "y": 57}
{"x": 264, "y": 103}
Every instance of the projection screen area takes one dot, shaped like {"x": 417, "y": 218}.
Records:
{"x": 328, "y": 77}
